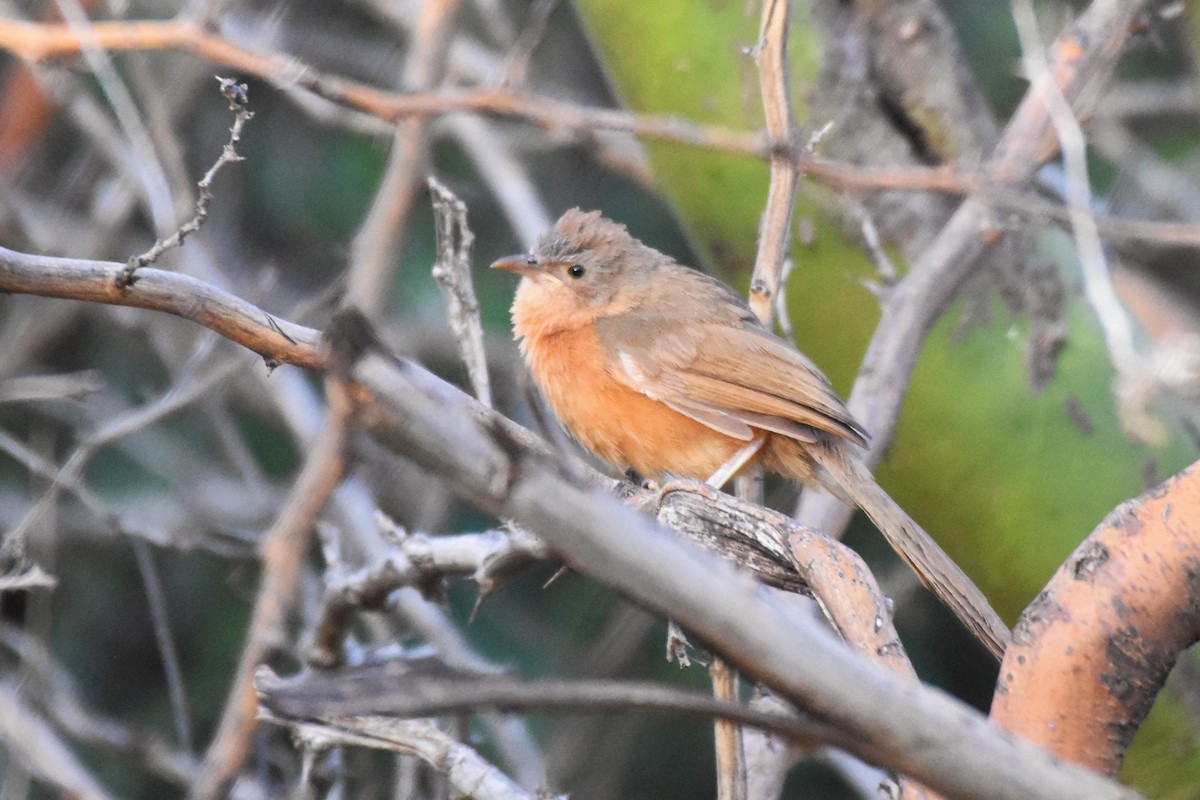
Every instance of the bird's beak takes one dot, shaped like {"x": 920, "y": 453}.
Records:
{"x": 521, "y": 265}
{"x": 527, "y": 267}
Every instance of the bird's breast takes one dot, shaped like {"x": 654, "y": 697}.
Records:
{"x": 615, "y": 421}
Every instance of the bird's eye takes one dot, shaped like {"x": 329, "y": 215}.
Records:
{"x": 576, "y": 270}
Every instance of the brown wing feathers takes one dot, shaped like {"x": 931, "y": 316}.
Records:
{"x": 766, "y": 385}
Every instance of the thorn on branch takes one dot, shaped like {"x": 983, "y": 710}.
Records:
{"x": 274, "y": 323}
{"x": 559, "y": 573}
{"x": 237, "y": 95}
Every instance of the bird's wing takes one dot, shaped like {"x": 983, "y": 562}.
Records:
{"x": 733, "y": 379}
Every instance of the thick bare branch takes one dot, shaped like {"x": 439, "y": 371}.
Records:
{"x": 275, "y": 340}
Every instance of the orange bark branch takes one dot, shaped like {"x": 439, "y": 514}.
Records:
{"x": 1090, "y": 654}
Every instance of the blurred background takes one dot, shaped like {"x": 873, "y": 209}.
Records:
{"x": 142, "y": 458}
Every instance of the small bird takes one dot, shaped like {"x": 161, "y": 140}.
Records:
{"x": 660, "y": 368}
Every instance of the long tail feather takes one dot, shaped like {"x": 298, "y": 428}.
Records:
{"x": 935, "y": 569}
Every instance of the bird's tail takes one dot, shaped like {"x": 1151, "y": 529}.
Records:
{"x": 844, "y": 470}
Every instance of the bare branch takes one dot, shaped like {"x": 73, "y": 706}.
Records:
{"x": 40, "y": 388}
{"x": 43, "y": 41}
{"x": 465, "y": 770}
{"x": 235, "y": 94}
{"x": 427, "y": 688}
{"x": 30, "y": 577}
{"x": 1097, "y": 281}
{"x": 165, "y": 639}
{"x": 144, "y": 163}
{"x": 419, "y": 561}
{"x": 276, "y": 340}
{"x": 775, "y": 230}
{"x": 452, "y": 271}
{"x": 516, "y": 65}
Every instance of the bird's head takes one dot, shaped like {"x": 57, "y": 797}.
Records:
{"x": 585, "y": 264}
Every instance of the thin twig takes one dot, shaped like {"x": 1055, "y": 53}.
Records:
{"x": 775, "y": 230}
{"x": 160, "y": 620}
{"x": 452, "y": 271}
{"x": 42, "y": 468}
{"x": 41, "y": 388}
{"x": 884, "y": 268}
{"x": 40, "y": 41}
{"x": 170, "y": 402}
{"x": 43, "y": 41}
{"x": 145, "y": 163}
{"x": 774, "y": 246}
{"x": 32, "y": 742}
{"x": 53, "y": 690}
{"x": 31, "y": 576}
{"x": 503, "y": 173}
{"x": 236, "y": 95}
{"x": 727, "y": 735}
